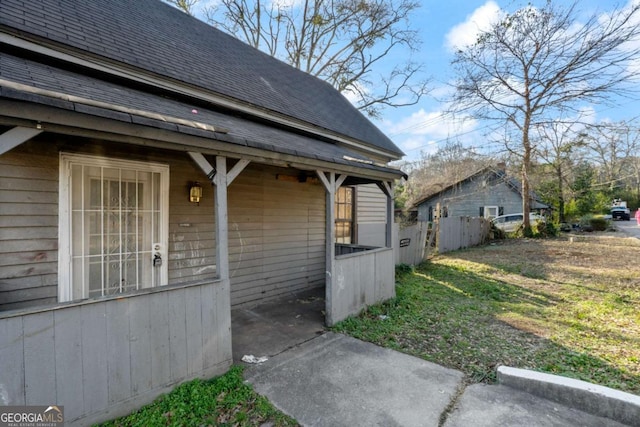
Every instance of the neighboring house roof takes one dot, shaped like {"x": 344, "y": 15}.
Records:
{"x": 153, "y": 40}
{"x": 511, "y": 183}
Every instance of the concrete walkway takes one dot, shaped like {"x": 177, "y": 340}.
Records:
{"x": 335, "y": 380}
{"x": 326, "y": 379}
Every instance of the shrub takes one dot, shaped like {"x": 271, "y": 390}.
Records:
{"x": 598, "y": 224}
{"x": 545, "y": 229}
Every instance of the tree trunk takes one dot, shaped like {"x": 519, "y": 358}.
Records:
{"x": 526, "y": 166}
{"x": 560, "y": 195}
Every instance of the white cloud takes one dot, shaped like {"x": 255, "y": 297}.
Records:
{"x": 466, "y": 33}
{"x": 426, "y": 131}
{"x": 286, "y": 3}
{"x": 352, "y": 96}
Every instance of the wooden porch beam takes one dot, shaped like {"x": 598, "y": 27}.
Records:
{"x": 16, "y": 136}
{"x": 236, "y": 170}
{"x": 204, "y": 164}
{"x": 323, "y": 179}
{"x": 386, "y": 187}
{"x": 340, "y": 180}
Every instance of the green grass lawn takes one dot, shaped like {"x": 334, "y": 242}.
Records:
{"x": 565, "y": 307}
{"x": 222, "y": 401}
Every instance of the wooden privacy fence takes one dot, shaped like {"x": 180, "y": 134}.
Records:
{"x": 410, "y": 244}
{"x": 461, "y": 232}
{"x": 415, "y": 242}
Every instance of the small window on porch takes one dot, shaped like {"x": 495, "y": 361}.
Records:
{"x": 113, "y": 226}
{"x": 344, "y": 213}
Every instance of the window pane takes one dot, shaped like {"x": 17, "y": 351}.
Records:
{"x": 129, "y": 273}
{"x": 77, "y": 243}
{"x": 155, "y": 194}
{"x": 95, "y": 276}
{"x": 155, "y": 230}
{"x": 77, "y": 278}
{"x": 76, "y": 193}
{"x": 344, "y": 214}
{"x": 347, "y": 232}
{"x": 348, "y": 212}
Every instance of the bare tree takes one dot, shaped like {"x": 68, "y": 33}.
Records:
{"x": 558, "y": 145}
{"x": 186, "y": 6}
{"x": 612, "y": 146}
{"x": 340, "y": 41}
{"x": 539, "y": 61}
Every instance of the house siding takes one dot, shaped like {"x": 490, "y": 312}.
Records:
{"x": 465, "y": 199}
{"x": 276, "y": 227}
{"x": 28, "y": 226}
{"x": 29, "y": 188}
{"x": 276, "y": 234}
{"x": 371, "y": 215}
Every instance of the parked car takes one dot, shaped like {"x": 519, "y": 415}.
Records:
{"x": 620, "y": 212}
{"x": 511, "y": 222}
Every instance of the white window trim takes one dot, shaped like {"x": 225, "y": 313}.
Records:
{"x": 64, "y": 215}
{"x": 486, "y": 211}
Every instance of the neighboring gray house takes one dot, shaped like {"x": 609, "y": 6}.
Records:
{"x": 486, "y": 193}
{"x": 154, "y": 173}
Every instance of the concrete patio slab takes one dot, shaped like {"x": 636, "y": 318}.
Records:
{"x": 275, "y": 326}
{"x": 335, "y": 380}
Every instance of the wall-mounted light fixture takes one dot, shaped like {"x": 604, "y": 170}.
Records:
{"x": 195, "y": 193}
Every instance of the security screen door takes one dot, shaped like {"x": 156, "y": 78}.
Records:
{"x": 116, "y": 226}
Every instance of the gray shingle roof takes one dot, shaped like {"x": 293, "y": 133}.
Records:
{"x": 240, "y": 131}
{"x": 513, "y": 183}
{"x": 158, "y": 38}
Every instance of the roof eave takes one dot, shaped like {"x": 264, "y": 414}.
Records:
{"x": 182, "y": 138}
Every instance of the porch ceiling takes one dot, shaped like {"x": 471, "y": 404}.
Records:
{"x": 72, "y": 92}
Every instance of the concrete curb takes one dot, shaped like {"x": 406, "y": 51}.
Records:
{"x": 590, "y": 398}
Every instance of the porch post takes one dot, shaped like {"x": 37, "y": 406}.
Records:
{"x": 387, "y": 189}
{"x": 222, "y": 292}
{"x": 222, "y": 222}
{"x": 329, "y": 183}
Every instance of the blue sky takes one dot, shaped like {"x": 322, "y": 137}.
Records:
{"x": 423, "y": 128}
{"x": 442, "y": 24}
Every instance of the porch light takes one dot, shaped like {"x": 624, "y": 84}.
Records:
{"x": 195, "y": 193}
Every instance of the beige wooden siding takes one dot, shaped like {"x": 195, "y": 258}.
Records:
{"x": 29, "y": 218}
{"x": 371, "y": 204}
{"x": 28, "y": 226}
{"x": 276, "y": 227}
{"x": 192, "y": 245}
{"x": 276, "y": 235}
{"x": 371, "y": 215}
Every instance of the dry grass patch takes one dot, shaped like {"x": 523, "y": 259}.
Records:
{"x": 569, "y": 306}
